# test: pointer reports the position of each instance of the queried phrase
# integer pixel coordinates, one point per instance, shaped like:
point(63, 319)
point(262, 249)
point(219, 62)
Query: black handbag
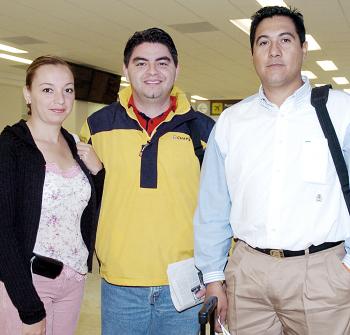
point(46, 266)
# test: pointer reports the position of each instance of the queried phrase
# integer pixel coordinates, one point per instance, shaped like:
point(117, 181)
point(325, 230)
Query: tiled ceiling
point(215, 60)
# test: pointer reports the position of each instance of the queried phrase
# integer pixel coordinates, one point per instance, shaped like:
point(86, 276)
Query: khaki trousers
point(303, 295)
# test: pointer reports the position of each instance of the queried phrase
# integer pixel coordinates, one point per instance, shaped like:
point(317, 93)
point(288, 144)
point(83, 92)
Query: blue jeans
point(144, 311)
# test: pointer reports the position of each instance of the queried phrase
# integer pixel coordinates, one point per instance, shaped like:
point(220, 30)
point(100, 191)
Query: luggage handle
point(206, 313)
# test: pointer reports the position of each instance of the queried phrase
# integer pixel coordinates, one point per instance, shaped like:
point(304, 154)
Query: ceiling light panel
point(341, 80)
point(327, 65)
point(308, 74)
point(243, 24)
point(16, 59)
point(7, 48)
point(197, 97)
point(264, 3)
point(311, 43)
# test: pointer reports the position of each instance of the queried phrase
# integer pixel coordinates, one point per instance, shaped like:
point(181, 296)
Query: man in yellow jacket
point(146, 143)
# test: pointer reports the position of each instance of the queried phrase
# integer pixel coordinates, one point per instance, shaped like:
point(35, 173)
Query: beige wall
point(81, 111)
point(12, 105)
point(76, 119)
point(13, 108)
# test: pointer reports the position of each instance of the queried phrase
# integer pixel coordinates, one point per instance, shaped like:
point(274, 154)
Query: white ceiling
point(214, 64)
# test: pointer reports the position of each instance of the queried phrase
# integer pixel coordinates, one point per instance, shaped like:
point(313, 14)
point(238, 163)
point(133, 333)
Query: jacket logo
point(182, 138)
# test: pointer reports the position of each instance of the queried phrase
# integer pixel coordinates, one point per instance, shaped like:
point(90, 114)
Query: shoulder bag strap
point(319, 97)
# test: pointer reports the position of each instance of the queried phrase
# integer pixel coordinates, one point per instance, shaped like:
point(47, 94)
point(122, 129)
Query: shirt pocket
point(314, 161)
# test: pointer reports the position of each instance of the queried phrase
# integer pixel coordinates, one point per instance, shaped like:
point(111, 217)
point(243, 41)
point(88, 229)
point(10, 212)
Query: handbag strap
point(319, 97)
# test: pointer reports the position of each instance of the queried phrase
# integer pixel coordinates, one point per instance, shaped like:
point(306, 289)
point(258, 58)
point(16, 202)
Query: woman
point(47, 208)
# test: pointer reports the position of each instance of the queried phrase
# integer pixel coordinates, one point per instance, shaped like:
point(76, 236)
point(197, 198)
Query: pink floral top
point(66, 193)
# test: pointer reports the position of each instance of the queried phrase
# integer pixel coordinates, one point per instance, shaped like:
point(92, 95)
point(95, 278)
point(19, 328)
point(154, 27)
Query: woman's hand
point(88, 155)
point(38, 328)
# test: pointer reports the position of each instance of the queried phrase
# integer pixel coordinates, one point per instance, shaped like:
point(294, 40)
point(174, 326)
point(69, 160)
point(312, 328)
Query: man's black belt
point(280, 253)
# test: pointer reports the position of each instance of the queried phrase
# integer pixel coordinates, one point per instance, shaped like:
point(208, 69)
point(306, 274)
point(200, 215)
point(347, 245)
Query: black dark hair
point(151, 35)
point(271, 11)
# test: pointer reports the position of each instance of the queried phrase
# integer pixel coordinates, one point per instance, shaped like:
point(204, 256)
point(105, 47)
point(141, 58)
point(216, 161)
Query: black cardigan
point(22, 175)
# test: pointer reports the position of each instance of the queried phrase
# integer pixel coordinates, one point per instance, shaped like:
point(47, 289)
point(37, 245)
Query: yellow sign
point(217, 108)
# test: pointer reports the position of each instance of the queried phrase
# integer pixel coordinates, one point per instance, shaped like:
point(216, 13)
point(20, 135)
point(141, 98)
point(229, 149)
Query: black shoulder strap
point(319, 97)
point(196, 140)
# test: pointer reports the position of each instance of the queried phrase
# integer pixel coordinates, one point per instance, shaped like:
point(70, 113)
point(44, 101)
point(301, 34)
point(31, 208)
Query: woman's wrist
point(96, 170)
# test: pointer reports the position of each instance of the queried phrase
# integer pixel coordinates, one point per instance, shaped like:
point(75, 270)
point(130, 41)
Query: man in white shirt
point(269, 182)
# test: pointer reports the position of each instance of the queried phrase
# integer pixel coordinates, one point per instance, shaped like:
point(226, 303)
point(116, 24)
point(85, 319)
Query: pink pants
point(62, 299)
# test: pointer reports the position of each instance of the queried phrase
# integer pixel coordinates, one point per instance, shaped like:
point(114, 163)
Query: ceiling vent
point(196, 27)
point(22, 40)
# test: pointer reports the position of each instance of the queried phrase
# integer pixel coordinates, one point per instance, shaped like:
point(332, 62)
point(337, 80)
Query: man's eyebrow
point(164, 58)
point(136, 59)
point(279, 35)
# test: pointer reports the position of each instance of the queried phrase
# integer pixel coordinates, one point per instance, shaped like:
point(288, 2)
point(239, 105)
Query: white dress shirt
point(268, 179)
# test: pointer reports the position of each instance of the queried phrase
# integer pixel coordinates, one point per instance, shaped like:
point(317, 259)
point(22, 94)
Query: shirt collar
point(172, 106)
point(298, 96)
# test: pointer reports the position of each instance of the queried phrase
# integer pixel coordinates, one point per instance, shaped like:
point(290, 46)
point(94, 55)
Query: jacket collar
point(182, 107)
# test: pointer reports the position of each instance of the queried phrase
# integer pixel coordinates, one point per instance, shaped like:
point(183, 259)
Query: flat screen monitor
point(104, 87)
point(82, 81)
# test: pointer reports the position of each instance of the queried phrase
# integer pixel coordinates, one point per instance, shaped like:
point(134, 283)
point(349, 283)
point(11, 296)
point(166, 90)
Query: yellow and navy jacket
point(150, 190)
